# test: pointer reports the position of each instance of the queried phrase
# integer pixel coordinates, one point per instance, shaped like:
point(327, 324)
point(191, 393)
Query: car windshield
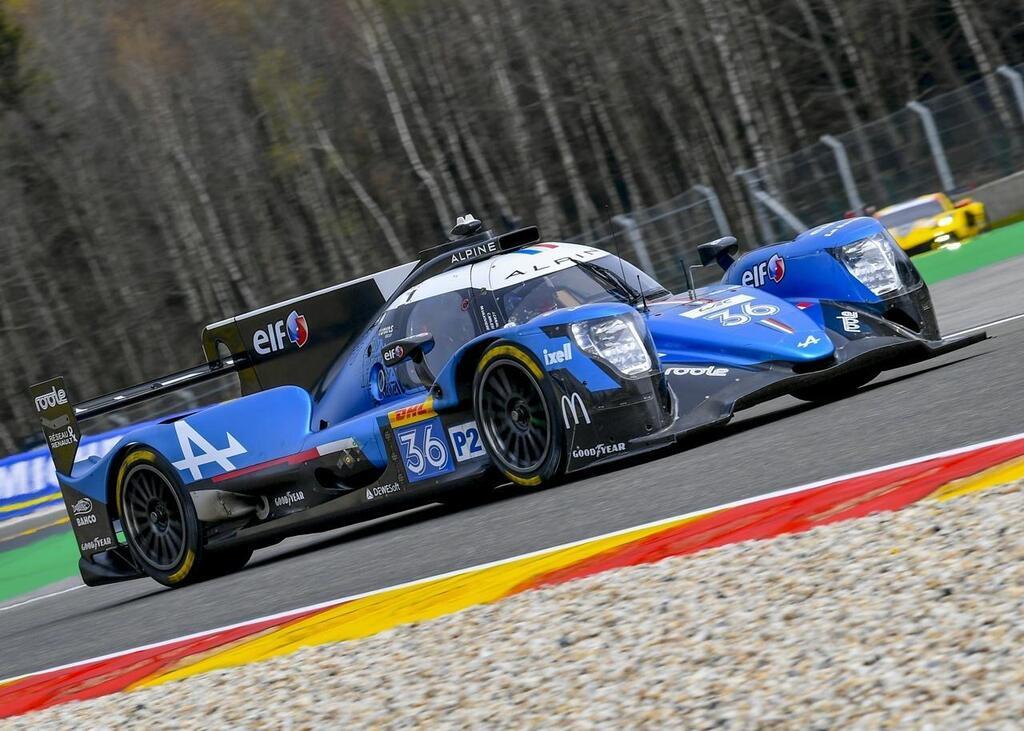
point(607, 279)
point(905, 216)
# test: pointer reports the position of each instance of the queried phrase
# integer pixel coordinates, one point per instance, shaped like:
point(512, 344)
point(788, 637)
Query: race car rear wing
point(288, 343)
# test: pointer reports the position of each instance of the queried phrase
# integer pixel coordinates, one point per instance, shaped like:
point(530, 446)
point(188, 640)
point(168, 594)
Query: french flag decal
point(776, 325)
point(538, 248)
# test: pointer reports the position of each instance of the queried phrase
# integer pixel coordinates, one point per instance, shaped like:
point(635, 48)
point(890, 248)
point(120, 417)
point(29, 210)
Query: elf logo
point(274, 336)
point(774, 269)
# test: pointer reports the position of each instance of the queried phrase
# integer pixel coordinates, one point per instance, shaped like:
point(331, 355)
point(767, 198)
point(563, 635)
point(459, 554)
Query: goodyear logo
point(412, 414)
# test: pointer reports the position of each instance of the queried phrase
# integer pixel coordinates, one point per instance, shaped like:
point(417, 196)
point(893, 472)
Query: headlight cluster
point(617, 341)
point(873, 262)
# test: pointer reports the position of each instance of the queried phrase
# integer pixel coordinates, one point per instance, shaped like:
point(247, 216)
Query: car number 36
point(728, 318)
point(425, 452)
point(433, 451)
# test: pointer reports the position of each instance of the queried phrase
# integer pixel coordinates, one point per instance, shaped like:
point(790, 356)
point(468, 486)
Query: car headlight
point(873, 262)
point(615, 340)
point(944, 221)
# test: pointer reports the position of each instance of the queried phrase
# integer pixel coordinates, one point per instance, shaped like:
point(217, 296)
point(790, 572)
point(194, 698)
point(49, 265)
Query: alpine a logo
point(294, 329)
point(50, 399)
point(573, 406)
point(808, 342)
point(774, 269)
point(598, 450)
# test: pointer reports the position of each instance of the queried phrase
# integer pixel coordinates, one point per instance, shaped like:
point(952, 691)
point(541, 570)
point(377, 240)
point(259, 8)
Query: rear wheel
point(838, 388)
point(512, 402)
point(159, 521)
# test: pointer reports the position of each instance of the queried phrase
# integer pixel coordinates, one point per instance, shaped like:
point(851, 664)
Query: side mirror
point(720, 250)
point(963, 202)
point(411, 348)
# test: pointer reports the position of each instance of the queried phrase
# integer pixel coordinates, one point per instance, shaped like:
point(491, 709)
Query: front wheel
point(838, 388)
point(159, 521)
point(512, 403)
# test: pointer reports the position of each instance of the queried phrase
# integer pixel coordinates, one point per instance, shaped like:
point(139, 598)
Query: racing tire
point(513, 403)
point(160, 525)
point(837, 389)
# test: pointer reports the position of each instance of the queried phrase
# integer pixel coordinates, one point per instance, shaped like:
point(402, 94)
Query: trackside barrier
point(28, 481)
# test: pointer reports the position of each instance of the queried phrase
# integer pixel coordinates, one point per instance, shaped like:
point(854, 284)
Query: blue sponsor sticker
point(425, 451)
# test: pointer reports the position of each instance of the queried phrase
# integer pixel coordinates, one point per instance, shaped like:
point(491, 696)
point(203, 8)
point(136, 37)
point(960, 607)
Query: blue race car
point(498, 358)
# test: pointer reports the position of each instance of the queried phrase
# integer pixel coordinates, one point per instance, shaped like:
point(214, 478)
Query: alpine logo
point(808, 341)
point(774, 270)
point(556, 357)
point(573, 405)
point(272, 338)
point(208, 454)
point(598, 450)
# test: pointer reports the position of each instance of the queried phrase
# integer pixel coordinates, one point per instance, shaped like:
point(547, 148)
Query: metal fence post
point(934, 143)
point(845, 172)
point(716, 208)
point(762, 220)
point(1017, 84)
point(632, 231)
point(781, 211)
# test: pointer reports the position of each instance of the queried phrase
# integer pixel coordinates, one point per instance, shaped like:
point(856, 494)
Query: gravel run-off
point(912, 619)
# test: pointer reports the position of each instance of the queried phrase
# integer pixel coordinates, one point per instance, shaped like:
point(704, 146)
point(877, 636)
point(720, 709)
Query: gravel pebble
point(902, 620)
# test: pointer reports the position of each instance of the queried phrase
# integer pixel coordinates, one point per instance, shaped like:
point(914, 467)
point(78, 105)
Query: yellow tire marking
point(137, 456)
point(1000, 474)
point(516, 354)
point(527, 481)
point(418, 602)
point(181, 573)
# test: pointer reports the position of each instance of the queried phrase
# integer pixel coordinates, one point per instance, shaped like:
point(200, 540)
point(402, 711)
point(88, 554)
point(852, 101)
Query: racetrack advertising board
point(28, 481)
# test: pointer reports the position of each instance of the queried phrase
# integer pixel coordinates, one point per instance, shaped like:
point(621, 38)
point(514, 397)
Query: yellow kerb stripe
point(1000, 474)
point(415, 603)
point(49, 497)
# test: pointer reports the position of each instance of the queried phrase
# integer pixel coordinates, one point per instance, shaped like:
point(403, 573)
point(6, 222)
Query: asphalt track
point(964, 397)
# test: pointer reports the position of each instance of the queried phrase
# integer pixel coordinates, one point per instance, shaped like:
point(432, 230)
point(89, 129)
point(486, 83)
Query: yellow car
point(932, 221)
